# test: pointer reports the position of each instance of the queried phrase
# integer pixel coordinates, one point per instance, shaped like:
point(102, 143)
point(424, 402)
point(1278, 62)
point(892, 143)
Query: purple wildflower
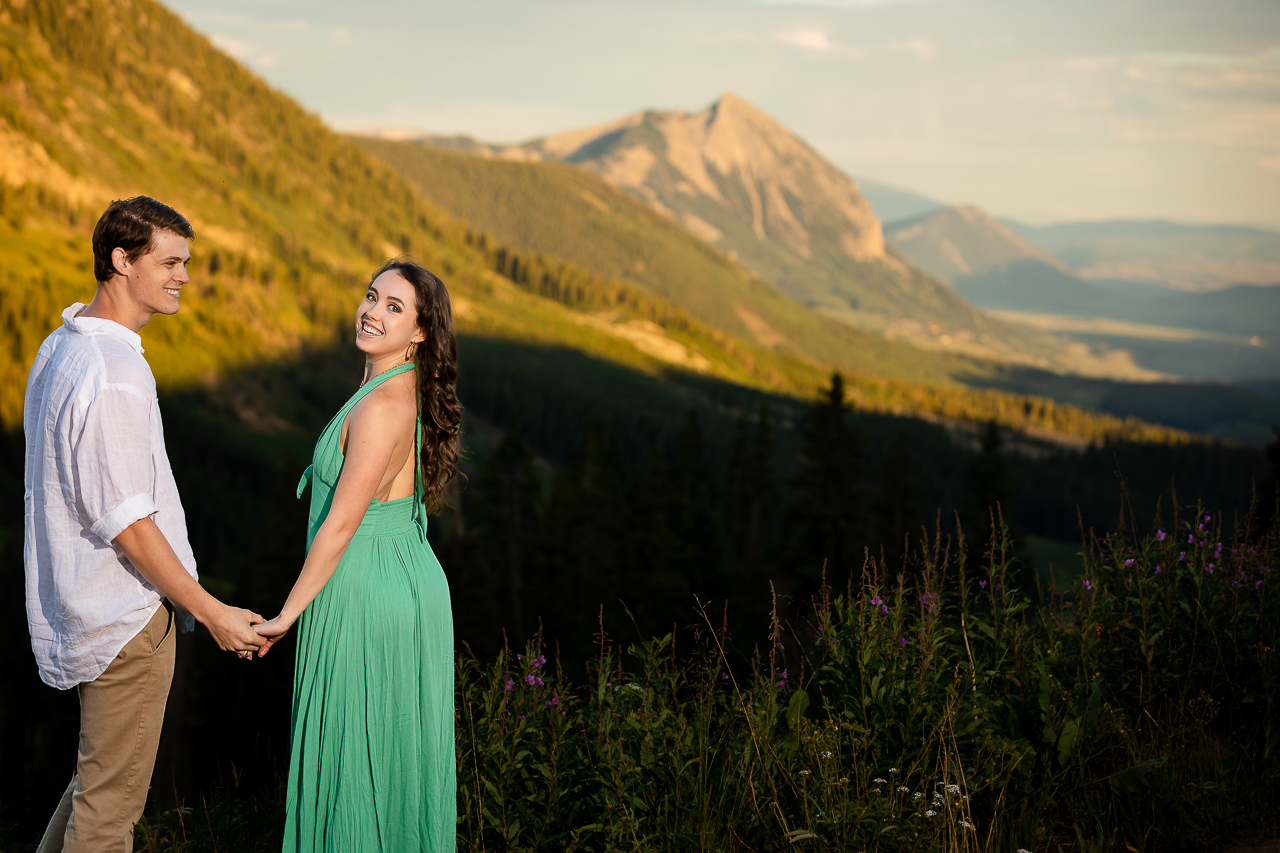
point(876, 600)
point(902, 641)
point(510, 684)
point(884, 608)
point(982, 584)
point(1088, 585)
point(1159, 570)
point(1159, 535)
point(1128, 564)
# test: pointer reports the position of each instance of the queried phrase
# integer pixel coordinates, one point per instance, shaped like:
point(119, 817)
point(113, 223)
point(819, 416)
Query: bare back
point(389, 412)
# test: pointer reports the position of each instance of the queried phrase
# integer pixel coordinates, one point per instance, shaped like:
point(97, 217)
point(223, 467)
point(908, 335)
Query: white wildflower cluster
point(826, 755)
point(893, 770)
point(878, 781)
point(917, 795)
point(930, 813)
point(902, 789)
point(1023, 850)
point(953, 789)
point(965, 824)
point(938, 799)
point(804, 772)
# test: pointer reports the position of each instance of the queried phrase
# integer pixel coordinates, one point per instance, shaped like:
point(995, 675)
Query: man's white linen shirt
point(95, 464)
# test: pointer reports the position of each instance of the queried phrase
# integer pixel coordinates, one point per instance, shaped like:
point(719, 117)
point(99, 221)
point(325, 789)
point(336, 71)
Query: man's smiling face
point(153, 281)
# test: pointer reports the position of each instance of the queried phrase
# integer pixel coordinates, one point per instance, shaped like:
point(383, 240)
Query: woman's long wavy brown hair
point(436, 361)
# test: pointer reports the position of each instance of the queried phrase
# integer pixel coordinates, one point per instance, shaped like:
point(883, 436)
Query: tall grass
point(932, 709)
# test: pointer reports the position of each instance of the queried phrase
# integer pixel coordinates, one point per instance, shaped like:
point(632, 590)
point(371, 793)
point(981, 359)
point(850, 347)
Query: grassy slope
point(567, 212)
point(290, 218)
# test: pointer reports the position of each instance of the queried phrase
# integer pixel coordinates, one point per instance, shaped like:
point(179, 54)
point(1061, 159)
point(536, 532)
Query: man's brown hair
point(131, 224)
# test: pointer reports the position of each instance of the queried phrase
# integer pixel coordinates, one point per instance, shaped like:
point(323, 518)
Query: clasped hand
point(272, 631)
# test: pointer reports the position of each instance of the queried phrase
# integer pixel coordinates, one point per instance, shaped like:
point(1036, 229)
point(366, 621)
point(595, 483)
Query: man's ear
point(120, 261)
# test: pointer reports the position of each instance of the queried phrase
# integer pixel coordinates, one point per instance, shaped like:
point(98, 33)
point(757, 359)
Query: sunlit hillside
point(290, 217)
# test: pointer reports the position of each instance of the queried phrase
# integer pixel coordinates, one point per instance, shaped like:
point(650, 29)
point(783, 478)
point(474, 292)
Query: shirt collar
point(98, 326)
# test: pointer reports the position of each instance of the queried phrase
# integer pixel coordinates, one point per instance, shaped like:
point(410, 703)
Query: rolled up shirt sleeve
point(113, 461)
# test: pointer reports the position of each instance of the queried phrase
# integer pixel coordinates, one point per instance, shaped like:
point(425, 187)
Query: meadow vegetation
point(928, 706)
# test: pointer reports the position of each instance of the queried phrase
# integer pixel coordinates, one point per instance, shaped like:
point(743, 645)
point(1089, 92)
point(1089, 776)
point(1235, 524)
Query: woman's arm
point(371, 447)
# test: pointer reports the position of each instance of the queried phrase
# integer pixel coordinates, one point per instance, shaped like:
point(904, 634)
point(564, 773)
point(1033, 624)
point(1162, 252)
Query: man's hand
point(232, 628)
point(151, 554)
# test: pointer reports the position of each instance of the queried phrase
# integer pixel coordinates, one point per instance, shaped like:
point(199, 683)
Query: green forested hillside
point(290, 217)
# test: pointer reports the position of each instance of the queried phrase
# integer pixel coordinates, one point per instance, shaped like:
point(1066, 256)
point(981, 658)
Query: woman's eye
point(394, 308)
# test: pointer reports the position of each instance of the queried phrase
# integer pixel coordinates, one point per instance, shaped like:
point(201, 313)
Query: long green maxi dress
point(372, 763)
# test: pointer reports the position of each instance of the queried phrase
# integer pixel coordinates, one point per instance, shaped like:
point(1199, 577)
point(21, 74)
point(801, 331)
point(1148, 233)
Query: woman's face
point(387, 319)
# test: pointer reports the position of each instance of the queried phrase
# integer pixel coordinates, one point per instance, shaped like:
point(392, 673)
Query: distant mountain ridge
point(737, 179)
point(953, 242)
point(1166, 254)
point(993, 266)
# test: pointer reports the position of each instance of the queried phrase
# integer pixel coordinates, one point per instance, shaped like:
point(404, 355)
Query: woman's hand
point(273, 630)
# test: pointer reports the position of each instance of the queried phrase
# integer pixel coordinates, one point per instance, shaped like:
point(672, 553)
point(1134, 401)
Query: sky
point(1042, 110)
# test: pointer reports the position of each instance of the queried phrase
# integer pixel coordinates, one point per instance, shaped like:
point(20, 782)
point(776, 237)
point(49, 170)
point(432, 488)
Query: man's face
point(153, 281)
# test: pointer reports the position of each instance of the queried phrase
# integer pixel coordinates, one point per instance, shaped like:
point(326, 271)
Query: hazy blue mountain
point(1184, 257)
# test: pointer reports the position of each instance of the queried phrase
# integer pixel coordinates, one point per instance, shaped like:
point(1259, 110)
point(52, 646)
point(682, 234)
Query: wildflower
point(1192, 539)
point(1206, 519)
point(804, 772)
point(876, 600)
point(982, 584)
point(877, 781)
point(510, 684)
point(844, 780)
point(1159, 538)
point(1022, 850)
point(826, 755)
point(902, 789)
point(893, 770)
point(902, 641)
point(1208, 567)
point(554, 702)
point(1128, 564)
point(1130, 579)
point(884, 608)
point(1182, 556)
point(1088, 585)
point(1159, 570)
point(930, 813)
point(1258, 585)
point(953, 789)
point(917, 795)
point(697, 695)
point(964, 823)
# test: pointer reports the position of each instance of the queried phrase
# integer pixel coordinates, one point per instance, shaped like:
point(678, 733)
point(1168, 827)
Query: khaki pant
point(121, 712)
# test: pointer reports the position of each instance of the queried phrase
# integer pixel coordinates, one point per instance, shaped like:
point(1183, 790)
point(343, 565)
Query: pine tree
point(751, 495)
point(826, 523)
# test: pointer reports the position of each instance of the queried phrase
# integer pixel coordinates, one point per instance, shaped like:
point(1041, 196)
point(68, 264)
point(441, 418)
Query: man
point(106, 552)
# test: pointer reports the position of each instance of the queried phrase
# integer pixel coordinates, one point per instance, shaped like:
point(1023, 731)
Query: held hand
point(273, 630)
point(232, 629)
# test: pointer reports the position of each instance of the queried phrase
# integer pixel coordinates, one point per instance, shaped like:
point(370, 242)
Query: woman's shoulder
point(388, 406)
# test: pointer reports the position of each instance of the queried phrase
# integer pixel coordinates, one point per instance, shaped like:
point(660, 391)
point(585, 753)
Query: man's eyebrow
point(185, 260)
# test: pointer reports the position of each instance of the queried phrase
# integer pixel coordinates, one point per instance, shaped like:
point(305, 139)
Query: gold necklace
point(363, 382)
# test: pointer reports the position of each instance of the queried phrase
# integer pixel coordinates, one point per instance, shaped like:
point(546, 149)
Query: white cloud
point(921, 47)
point(813, 40)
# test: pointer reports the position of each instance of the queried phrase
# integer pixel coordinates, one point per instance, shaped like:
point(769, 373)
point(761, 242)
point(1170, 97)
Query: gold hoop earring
point(411, 351)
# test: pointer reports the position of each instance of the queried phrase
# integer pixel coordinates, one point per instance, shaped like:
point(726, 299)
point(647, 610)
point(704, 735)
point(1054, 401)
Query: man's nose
point(182, 277)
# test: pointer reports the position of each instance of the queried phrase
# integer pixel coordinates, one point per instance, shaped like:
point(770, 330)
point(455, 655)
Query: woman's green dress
point(372, 763)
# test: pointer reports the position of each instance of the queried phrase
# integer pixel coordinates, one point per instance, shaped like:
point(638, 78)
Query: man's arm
point(153, 557)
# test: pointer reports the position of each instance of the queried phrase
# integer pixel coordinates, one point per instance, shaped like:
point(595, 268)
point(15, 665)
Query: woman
point(372, 763)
